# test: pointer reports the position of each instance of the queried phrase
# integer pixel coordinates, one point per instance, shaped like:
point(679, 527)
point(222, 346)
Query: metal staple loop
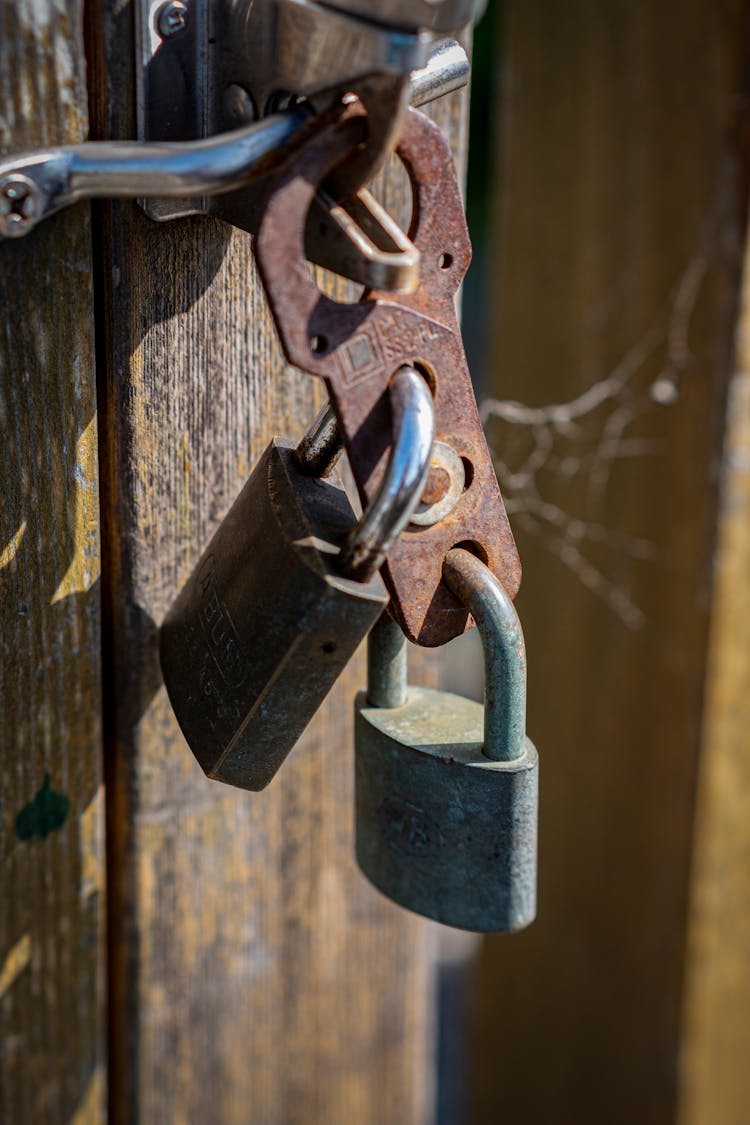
point(356, 347)
point(403, 480)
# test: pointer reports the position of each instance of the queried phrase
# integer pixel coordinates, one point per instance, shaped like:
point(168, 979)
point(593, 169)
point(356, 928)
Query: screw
point(172, 18)
point(20, 205)
point(437, 485)
point(238, 105)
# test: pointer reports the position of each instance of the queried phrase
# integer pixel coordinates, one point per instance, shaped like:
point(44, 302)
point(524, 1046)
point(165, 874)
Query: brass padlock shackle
point(404, 478)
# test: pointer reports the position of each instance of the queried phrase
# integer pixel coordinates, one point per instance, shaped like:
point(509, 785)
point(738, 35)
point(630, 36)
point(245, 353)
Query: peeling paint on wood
point(46, 812)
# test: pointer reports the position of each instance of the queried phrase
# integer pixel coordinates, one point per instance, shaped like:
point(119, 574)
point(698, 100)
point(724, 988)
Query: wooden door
point(246, 971)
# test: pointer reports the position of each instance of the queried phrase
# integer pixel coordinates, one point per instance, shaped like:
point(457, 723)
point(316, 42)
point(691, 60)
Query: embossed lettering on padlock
point(446, 791)
point(284, 594)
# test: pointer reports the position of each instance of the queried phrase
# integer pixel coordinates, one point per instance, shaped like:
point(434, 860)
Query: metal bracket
point(209, 66)
point(226, 89)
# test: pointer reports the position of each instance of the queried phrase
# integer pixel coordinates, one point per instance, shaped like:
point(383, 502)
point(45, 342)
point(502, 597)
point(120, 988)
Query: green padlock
point(447, 791)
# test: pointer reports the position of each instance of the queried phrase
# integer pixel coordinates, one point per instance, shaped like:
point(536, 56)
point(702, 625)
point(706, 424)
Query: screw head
point(437, 485)
point(444, 487)
point(20, 205)
point(172, 18)
point(238, 105)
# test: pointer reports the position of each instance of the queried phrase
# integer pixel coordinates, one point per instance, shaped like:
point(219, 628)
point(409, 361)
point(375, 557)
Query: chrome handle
point(34, 185)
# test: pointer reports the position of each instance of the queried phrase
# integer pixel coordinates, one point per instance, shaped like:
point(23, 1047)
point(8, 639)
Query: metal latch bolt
point(357, 239)
point(225, 93)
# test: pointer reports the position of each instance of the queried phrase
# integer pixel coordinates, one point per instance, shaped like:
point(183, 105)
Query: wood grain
point(256, 977)
point(52, 1060)
point(716, 1033)
point(620, 247)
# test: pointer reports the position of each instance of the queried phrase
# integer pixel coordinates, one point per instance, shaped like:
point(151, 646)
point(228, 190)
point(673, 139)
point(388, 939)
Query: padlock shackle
point(403, 481)
point(477, 588)
point(404, 478)
point(321, 446)
point(386, 664)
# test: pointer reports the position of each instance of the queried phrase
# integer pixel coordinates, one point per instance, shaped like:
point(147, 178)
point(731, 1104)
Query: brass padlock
point(285, 592)
point(447, 791)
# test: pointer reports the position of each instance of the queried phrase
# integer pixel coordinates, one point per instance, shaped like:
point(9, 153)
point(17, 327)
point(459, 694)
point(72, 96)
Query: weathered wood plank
point(52, 1062)
point(622, 201)
point(256, 975)
point(716, 1036)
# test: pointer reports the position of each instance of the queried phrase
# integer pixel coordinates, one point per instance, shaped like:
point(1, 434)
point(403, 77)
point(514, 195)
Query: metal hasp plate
point(208, 66)
point(357, 348)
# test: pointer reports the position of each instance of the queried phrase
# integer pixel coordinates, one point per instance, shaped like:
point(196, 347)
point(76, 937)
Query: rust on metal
point(438, 483)
point(357, 348)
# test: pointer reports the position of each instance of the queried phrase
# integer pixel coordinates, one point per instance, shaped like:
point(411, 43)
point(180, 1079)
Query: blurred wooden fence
point(621, 425)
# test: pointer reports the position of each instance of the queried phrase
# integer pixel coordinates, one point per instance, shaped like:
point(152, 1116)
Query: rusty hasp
point(357, 348)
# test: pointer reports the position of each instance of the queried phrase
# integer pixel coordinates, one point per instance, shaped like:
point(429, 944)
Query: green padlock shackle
point(503, 645)
point(484, 596)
